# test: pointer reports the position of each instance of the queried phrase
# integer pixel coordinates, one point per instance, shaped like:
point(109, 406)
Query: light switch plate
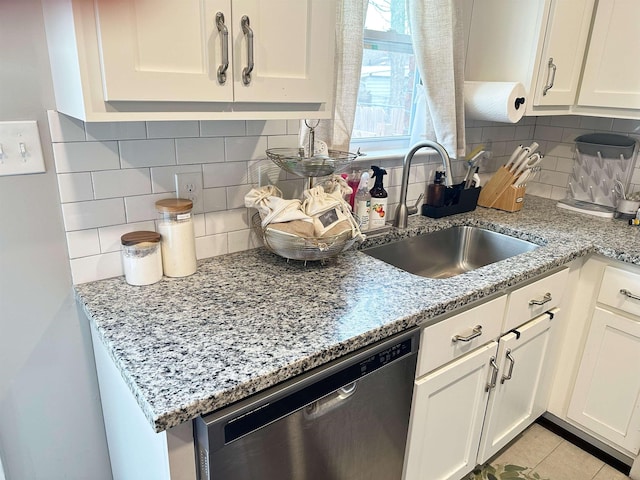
point(20, 148)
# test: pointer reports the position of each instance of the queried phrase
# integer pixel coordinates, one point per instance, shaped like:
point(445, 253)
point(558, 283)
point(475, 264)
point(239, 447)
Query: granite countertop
point(246, 321)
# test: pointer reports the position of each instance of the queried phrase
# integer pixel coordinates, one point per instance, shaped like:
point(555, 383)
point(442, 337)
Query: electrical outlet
point(189, 186)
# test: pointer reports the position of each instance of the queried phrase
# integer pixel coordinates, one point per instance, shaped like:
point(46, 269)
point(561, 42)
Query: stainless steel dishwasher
point(347, 420)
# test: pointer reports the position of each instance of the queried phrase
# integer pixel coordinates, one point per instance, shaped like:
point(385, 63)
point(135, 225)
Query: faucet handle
point(414, 209)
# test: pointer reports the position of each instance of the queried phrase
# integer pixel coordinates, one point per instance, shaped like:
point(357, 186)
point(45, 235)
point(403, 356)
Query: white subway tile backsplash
point(211, 246)
point(596, 123)
point(235, 195)
point(293, 126)
point(226, 221)
point(85, 156)
point(121, 183)
point(552, 134)
point(116, 130)
point(147, 153)
point(96, 267)
point(245, 148)
point(267, 127)
point(243, 240)
point(223, 128)
point(215, 199)
point(199, 150)
point(163, 179)
point(110, 240)
point(83, 243)
point(224, 174)
point(199, 228)
point(75, 187)
point(282, 141)
point(173, 129)
point(143, 207)
point(626, 126)
point(109, 187)
point(91, 214)
point(499, 133)
point(65, 129)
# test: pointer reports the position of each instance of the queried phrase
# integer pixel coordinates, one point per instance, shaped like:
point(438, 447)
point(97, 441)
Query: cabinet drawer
point(618, 289)
point(534, 299)
point(440, 345)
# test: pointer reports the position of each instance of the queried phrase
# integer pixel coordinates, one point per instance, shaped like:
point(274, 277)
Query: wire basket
point(293, 161)
point(300, 248)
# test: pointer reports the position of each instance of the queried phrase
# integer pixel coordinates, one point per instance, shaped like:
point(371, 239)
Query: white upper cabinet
point(563, 52)
point(612, 69)
point(191, 59)
point(571, 56)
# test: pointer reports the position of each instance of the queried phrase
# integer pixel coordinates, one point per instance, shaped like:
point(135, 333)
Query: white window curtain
point(438, 42)
point(348, 63)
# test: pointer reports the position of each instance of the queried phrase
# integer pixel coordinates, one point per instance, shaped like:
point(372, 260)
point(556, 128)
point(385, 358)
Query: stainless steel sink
point(450, 252)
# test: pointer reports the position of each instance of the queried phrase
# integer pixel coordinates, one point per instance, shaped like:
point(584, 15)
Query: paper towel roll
point(494, 101)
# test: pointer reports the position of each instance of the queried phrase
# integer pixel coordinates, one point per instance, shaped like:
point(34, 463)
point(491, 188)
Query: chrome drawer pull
point(494, 375)
point(248, 32)
point(224, 38)
point(513, 362)
point(477, 331)
point(545, 299)
point(627, 293)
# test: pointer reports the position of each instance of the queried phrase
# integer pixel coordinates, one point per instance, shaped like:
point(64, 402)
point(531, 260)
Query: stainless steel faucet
point(402, 211)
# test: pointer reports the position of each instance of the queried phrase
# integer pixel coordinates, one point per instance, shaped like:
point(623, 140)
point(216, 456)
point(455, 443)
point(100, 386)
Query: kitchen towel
point(494, 101)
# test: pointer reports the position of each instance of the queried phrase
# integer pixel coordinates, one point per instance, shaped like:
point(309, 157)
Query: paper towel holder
point(519, 101)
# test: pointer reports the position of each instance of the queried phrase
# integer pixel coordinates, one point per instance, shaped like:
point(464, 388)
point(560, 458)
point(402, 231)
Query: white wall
point(50, 418)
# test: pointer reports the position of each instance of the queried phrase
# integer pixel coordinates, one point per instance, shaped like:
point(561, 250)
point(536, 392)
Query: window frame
point(394, 42)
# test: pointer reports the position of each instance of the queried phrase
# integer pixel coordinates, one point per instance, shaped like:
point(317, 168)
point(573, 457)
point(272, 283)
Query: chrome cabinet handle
point(477, 331)
point(224, 38)
point(248, 32)
point(513, 362)
point(494, 374)
point(628, 294)
point(545, 299)
point(552, 73)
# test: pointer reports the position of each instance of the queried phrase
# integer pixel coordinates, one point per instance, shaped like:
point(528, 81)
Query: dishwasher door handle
point(329, 402)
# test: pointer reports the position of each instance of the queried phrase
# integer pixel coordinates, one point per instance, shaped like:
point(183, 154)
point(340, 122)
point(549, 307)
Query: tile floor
point(554, 458)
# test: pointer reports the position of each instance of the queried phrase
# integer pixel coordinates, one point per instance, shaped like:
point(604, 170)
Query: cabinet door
point(293, 44)
point(162, 50)
point(446, 418)
point(606, 396)
point(521, 390)
point(612, 70)
point(563, 52)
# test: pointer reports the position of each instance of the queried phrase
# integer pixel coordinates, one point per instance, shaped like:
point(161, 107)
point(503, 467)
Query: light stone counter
point(247, 321)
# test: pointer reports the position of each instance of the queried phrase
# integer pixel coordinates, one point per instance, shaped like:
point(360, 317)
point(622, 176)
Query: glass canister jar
point(175, 224)
point(141, 257)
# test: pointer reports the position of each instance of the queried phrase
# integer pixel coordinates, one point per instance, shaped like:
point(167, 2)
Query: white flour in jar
point(142, 263)
point(178, 246)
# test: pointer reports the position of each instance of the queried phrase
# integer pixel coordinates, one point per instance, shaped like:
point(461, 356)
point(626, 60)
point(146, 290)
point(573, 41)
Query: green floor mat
point(505, 472)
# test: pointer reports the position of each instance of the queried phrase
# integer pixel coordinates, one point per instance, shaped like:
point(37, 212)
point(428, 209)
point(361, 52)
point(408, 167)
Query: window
point(388, 80)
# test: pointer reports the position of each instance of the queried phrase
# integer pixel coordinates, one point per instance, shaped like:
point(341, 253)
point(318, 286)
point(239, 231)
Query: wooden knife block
point(500, 193)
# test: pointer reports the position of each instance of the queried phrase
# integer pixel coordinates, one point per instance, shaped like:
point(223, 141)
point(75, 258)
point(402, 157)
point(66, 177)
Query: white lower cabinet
point(606, 395)
point(521, 387)
point(448, 411)
point(482, 379)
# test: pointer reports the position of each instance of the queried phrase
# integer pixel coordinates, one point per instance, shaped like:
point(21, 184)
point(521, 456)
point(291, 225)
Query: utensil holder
point(457, 200)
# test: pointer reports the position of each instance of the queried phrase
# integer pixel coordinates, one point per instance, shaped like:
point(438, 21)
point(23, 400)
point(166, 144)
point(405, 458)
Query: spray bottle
point(362, 204)
point(378, 213)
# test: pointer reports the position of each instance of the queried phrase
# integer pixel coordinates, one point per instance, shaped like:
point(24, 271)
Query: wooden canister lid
point(174, 205)
point(134, 238)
